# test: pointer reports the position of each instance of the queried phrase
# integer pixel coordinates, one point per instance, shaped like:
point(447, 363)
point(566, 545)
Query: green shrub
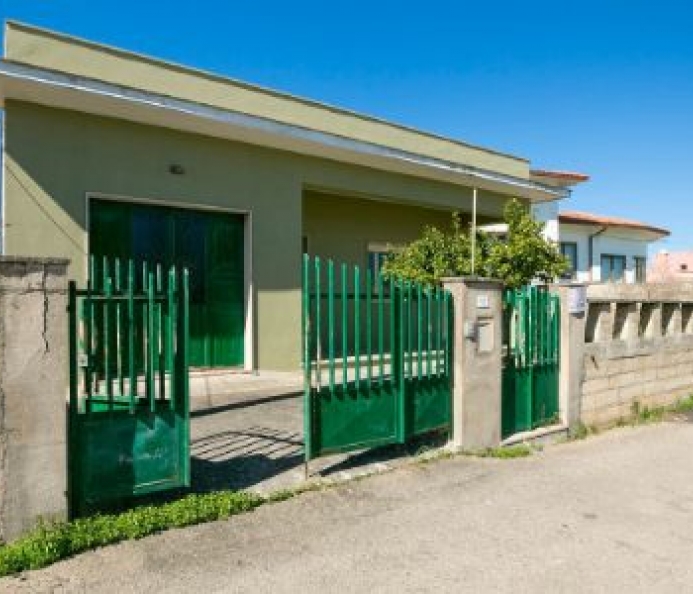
point(525, 255)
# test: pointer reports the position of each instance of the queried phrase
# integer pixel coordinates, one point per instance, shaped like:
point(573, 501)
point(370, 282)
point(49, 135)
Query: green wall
point(341, 227)
point(55, 157)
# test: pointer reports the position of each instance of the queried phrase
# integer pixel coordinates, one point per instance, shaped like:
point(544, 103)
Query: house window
point(376, 259)
point(377, 254)
point(640, 270)
point(613, 268)
point(570, 250)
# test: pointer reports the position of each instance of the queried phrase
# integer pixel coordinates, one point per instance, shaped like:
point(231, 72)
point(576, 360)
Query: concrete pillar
point(33, 390)
point(477, 371)
point(672, 324)
point(573, 321)
point(652, 314)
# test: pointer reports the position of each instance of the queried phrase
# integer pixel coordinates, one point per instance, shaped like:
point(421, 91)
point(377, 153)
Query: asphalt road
point(613, 513)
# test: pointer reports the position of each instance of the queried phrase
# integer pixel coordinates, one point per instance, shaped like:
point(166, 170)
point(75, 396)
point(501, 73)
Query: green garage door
point(209, 244)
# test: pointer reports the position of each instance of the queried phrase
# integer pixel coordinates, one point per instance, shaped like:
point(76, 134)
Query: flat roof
point(19, 36)
point(58, 70)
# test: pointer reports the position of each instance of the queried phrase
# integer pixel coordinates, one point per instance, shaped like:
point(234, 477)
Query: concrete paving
point(248, 444)
point(256, 443)
point(611, 513)
point(217, 388)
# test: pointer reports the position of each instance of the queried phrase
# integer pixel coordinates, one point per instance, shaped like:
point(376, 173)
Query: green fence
point(531, 329)
point(377, 359)
point(128, 408)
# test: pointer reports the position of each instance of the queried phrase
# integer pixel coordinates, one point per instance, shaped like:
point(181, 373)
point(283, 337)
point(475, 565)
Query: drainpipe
point(590, 247)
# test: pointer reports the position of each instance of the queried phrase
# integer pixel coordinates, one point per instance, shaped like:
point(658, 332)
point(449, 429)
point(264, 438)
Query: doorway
point(209, 244)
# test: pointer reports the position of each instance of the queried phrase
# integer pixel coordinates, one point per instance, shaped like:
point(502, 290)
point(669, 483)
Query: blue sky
point(601, 87)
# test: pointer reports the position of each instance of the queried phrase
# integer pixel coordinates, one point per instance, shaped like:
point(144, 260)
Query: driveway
point(613, 513)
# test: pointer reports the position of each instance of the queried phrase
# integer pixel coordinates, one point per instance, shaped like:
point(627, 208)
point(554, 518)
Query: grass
point(640, 415)
point(507, 453)
point(582, 431)
point(683, 406)
point(51, 542)
point(522, 450)
point(644, 414)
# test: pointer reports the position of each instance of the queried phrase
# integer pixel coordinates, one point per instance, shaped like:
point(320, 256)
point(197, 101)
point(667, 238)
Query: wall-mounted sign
point(577, 300)
point(483, 302)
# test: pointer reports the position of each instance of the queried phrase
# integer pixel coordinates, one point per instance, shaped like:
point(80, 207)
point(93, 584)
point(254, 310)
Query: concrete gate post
point(573, 321)
point(477, 362)
point(33, 390)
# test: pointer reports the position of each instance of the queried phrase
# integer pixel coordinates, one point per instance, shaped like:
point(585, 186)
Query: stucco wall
point(33, 392)
point(53, 158)
point(341, 228)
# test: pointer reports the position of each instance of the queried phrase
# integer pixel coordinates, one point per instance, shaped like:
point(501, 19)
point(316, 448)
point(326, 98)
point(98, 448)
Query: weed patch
point(582, 431)
point(51, 542)
point(644, 414)
point(683, 406)
point(517, 451)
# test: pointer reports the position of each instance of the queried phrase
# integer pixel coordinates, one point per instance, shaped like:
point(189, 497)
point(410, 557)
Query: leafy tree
point(523, 256)
point(526, 254)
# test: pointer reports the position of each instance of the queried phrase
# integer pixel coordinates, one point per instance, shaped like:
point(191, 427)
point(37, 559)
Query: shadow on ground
point(257, 445)
point(239, 459)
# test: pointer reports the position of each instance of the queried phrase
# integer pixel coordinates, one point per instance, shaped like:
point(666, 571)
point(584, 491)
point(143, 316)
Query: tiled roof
point(564, 175)
point(574, 217)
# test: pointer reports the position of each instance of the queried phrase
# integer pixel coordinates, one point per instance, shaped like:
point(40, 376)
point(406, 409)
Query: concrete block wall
point(33, 392)
point(638, 350)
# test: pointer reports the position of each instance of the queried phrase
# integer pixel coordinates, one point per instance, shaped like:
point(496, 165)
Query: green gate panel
point(429, 405)
point(210, 245)
point(119, 455)
point(377, 359)
point(129, 421)
point(516, 405)
point(531, 341)
point(545, 401)
point(353, 419)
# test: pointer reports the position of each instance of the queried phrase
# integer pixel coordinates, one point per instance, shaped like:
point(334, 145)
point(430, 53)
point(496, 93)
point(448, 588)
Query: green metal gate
point(377, 359)
point(531, 335)
point(128, 409)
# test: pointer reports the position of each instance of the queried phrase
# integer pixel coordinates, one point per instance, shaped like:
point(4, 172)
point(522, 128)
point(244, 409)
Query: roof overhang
point(64, 91)
point(641, 233)
point(562, 179)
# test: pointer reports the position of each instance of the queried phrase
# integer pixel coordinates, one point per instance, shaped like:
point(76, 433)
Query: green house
point(111, 153)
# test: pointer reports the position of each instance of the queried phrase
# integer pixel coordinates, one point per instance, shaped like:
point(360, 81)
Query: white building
point(600, 248)
point(606, 249)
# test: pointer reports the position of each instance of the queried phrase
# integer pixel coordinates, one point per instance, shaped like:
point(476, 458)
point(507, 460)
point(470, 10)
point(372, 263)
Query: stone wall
point(33, 391)
point(638, 350)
